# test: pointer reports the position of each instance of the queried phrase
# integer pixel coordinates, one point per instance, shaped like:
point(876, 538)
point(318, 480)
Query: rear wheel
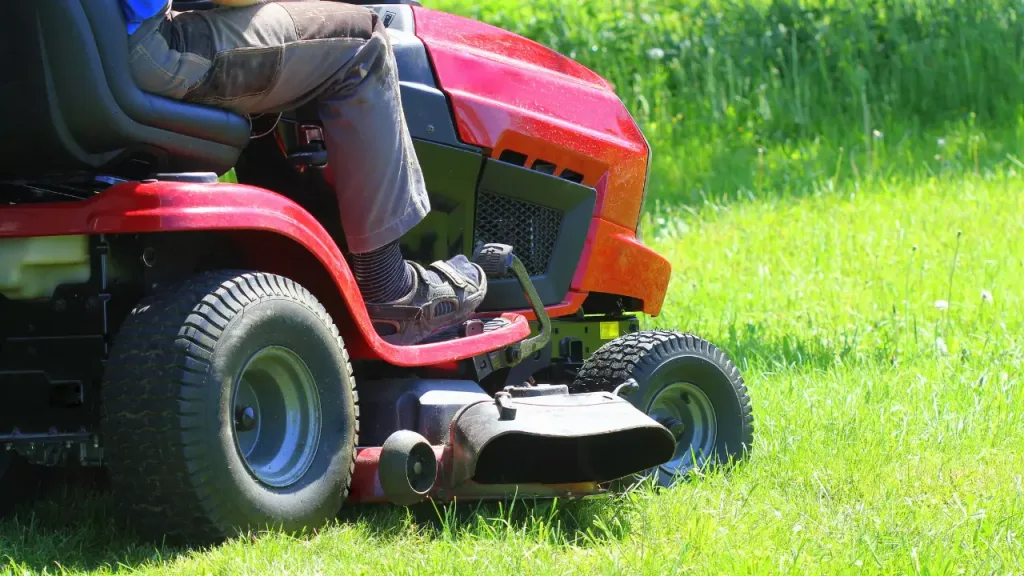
point(230, 406)
point(686, 384)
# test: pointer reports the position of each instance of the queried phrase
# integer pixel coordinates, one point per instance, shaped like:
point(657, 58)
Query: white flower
point(942, 305)
point(941, 142)
point(986, 296)
point(655, 53)
point(940, 345)
point(877, 134)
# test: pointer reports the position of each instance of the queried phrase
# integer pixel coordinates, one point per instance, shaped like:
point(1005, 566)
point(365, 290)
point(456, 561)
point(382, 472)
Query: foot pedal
point(495, 259)
point(498, 260)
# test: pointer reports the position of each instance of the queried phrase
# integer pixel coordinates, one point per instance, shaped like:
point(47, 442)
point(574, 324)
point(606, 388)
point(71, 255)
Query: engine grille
point(530, 229)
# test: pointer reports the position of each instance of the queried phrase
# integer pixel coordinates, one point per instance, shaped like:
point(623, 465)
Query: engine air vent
point(544, 166)
point(513, 157)
point(571, 176)
point(529, 228)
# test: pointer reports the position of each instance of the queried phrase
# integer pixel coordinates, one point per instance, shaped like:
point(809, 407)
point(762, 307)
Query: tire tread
point(619, 360)
point(151, 392)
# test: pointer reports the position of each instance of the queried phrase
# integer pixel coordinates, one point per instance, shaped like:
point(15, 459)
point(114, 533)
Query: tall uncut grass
point(753, 98)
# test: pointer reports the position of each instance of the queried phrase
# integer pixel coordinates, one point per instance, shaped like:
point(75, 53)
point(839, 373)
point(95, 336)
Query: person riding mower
point(214, 239)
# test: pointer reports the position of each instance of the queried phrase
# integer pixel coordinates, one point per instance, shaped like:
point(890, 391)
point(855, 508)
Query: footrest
point(468, 329)
point(448, 346)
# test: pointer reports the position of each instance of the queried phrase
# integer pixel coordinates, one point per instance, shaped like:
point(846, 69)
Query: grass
point(770, 98)
point(837, 186)
point(879, 448)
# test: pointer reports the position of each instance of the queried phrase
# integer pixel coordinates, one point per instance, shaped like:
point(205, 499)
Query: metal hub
point(277, 416)
point(688, 414)
point(245, 418)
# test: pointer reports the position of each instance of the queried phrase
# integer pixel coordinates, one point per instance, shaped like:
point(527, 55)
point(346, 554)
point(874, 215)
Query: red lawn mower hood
point(509, 93)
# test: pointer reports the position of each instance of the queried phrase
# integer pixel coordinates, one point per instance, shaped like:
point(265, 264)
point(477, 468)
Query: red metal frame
point(133, 208)
point(511, 93)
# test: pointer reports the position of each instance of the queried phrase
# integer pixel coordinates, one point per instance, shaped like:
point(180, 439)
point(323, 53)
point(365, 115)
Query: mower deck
point(453, 439)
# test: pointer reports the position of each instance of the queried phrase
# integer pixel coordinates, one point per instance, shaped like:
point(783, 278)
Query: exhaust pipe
point(543, 435)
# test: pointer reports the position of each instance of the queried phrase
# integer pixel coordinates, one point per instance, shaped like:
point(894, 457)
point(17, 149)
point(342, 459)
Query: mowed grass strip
point(888, 399)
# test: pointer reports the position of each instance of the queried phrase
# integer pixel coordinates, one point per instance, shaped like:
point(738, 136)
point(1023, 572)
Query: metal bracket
point(626, 388)
point(102, 248)
point(46, 449)
point(506, 410)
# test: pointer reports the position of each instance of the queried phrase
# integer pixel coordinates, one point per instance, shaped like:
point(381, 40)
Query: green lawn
point(890, 428)
point(839, 192)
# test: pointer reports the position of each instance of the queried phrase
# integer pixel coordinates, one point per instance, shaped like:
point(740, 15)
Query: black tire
point(17, 480)
point(170, 421)
point(658, 361)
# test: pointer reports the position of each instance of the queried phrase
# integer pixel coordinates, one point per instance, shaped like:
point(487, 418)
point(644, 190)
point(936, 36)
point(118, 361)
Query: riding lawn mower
point(177, 310)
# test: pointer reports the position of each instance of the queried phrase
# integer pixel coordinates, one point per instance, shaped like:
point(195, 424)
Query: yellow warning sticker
point(609, 330)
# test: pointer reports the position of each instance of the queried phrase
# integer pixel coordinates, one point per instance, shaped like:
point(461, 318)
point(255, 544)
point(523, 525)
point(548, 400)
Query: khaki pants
point(275, 57)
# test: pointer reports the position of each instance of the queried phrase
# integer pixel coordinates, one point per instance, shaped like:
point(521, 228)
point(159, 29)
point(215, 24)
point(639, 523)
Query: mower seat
point(70, 103)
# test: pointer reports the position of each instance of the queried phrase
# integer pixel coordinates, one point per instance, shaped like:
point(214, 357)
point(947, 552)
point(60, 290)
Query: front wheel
point(686, 384)
point(230, 406)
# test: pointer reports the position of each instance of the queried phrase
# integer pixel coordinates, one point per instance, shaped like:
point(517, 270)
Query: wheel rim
point(688, 413)
point(277, 417)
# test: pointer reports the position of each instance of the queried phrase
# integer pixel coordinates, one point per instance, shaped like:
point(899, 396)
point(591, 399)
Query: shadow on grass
point(730, 168)
point(752, 346)
point(69, 524)
point(748, 347)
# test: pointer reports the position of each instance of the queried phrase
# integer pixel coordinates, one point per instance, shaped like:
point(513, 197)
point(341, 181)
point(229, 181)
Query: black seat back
point(68, 101)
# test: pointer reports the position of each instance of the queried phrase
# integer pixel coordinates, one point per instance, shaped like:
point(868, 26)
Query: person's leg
point(275, 57)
